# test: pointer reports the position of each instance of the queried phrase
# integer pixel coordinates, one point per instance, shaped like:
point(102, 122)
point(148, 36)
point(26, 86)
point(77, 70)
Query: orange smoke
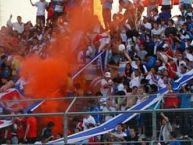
point(45, 76)
point(49, 77)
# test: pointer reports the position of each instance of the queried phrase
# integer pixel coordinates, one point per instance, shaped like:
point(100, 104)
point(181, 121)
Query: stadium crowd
point(142, 55)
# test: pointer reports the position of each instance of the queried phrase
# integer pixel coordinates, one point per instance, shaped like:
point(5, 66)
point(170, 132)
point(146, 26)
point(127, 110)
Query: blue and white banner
point(182, 80)
point(122, 118)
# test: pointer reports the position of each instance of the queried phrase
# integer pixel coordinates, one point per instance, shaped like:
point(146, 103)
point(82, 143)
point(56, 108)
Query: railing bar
point(93, 113)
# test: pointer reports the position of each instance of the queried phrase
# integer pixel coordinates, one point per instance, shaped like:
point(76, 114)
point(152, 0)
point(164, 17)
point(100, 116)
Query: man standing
point(17, 26)
point(58, 8)
point(165, 130)
point(106, 86)
point(31, 130)
point(41, 8)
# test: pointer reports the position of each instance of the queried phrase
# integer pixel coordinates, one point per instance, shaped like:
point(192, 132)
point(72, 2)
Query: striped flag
point(13, 101)
point(124, 117)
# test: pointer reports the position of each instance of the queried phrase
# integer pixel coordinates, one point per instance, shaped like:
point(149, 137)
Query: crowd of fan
point(140, 58)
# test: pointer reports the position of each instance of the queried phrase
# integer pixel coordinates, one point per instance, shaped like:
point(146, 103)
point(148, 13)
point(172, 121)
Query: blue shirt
point(175, 142)
point(185, 101)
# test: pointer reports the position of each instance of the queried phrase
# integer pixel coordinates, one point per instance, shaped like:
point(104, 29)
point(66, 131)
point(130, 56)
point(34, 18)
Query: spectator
point(46, 134)
point(118, 135)
point(17, 26)
point(41, 8)
point(31, 130)
point(132, 137)
point(107, 7)
point(106, 86)
point(88, 122)
point(108, 107)
point(165, 130)
point(19, 122)
point(167, 6)
point(173, 138)
point(58, 8)
point(170, 30)
point(50, 10)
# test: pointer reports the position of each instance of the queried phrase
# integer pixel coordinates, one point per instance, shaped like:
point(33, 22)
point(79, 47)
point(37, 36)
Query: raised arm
point(9, 23)
point(31, 3)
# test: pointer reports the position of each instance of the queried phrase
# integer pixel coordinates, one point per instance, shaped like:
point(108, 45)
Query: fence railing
point(67, 114)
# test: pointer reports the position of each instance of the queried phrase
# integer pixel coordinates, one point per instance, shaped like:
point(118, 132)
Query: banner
point(122, 118)
point(13, 101)
point(5, 123)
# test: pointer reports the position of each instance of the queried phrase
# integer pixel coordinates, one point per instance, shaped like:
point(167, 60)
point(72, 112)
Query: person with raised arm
point(16, 26)
point(41, 8)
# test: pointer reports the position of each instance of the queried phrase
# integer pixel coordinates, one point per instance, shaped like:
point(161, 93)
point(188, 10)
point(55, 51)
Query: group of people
point(141, 55)
point(24, 130)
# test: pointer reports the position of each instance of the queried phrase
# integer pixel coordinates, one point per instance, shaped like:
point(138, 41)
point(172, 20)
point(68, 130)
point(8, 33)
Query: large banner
point(122, 118)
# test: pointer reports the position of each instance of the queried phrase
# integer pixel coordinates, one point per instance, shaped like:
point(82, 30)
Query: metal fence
point(177, 116)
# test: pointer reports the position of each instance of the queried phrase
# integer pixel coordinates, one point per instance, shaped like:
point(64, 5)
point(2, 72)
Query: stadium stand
point(131, 56)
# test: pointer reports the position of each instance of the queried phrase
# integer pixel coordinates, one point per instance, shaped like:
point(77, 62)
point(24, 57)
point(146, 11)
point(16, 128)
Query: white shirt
point(41, 8)
point(147, 25)
point(152, 79)
point(135, 82)
point(161, 83)
point(104, 91)
point(16, 26)
point(189, 56)
point(165, 131)
point(156, 31)
point(59, 7)
point(88, 120)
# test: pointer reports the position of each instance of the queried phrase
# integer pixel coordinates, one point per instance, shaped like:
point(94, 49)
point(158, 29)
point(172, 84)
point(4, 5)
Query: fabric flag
point(13, 101)
point(121, 118)
point(5, 123)
point(182, 80)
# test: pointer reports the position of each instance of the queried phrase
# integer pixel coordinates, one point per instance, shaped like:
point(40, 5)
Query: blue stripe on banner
point(182, 80)
point(110, 124)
